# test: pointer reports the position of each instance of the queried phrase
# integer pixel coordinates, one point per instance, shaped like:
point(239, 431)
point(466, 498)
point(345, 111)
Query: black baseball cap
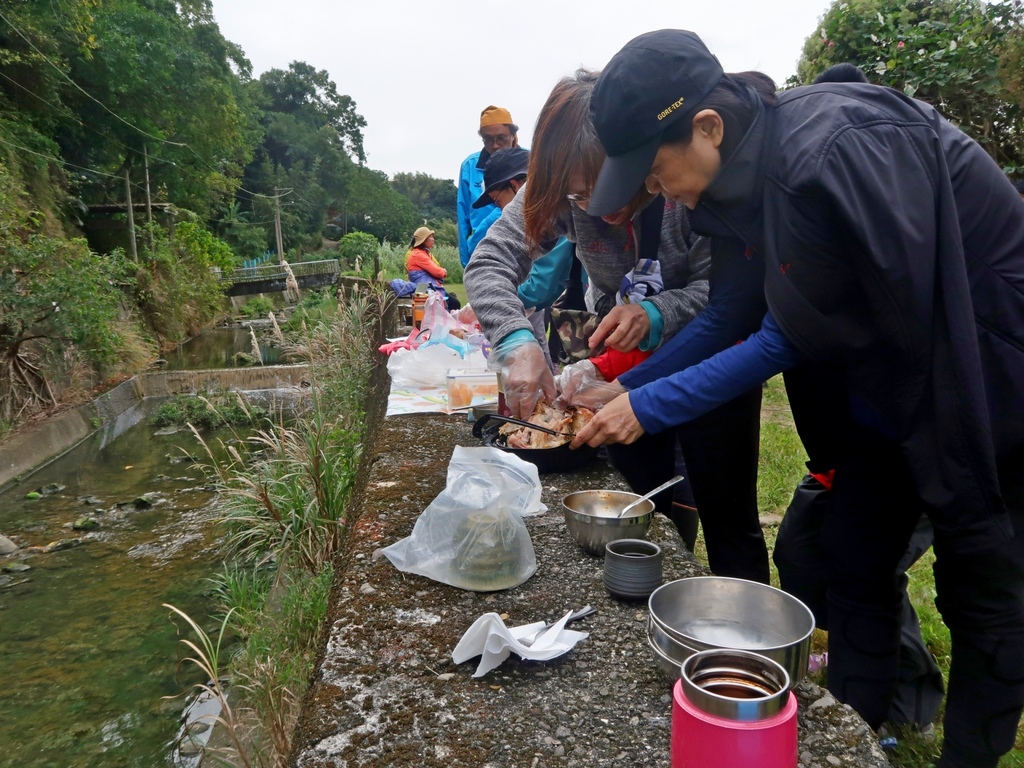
point(656, 79)
point(503, 166)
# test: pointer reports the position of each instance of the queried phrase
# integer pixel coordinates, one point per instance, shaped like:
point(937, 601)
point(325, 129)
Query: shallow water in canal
point(216, 348)
point(86, 649)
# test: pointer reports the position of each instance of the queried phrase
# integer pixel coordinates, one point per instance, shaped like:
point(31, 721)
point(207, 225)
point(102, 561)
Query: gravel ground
point(386, 692)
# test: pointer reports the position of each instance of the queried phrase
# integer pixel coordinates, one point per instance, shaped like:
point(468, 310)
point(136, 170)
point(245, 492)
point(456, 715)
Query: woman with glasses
point(893, 248)
point(497, 131)
point(647, 280)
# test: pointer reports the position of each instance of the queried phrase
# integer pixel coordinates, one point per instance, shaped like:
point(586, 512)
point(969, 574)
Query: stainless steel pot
point(714, 612)
point(561, 458)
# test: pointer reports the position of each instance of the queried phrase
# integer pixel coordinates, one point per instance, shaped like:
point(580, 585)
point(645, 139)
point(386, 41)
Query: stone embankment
point(387, 694)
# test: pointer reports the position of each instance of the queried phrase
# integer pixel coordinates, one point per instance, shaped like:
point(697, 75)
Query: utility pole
point(149, 202)
point(277, 222)
point(131, 216)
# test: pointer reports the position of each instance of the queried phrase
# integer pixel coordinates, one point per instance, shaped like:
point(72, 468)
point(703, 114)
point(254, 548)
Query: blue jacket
point(481, 230)
point(470, 219)
point(546, 281)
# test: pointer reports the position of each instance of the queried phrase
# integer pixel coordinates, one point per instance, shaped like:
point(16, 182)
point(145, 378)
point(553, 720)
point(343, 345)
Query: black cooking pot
point(561, 458)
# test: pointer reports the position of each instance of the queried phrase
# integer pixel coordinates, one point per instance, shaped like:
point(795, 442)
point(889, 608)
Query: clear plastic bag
point(472, 535)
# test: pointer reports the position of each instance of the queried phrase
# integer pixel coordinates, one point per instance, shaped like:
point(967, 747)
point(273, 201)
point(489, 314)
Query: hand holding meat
point(623, 328)
point(581, 385)
point(615, 423)
point(525, 378)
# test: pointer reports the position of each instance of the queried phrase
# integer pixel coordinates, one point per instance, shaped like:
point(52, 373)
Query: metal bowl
point(669, 653)
point(709, 612)
point(592, 518)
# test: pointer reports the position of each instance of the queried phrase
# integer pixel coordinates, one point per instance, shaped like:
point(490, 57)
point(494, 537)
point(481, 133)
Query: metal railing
point(276, 272)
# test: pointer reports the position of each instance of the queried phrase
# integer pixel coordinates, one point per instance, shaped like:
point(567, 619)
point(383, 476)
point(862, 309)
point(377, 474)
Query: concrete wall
point(123, 407)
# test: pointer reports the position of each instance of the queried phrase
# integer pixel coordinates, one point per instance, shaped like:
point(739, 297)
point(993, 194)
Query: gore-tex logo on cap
point(671, 108)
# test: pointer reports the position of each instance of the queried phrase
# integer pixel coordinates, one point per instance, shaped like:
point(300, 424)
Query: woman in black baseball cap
point(893, 248)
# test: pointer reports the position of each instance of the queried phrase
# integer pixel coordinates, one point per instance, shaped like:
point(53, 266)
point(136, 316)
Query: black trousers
point(874, 510)
point(803, 573)
point(720, 450)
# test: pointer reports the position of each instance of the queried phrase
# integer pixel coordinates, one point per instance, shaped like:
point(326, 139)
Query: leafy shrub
point(209, 411)
point(257, 306)
point(174, 285)
point(53, 293)
point(357, 246)
point(315, 307)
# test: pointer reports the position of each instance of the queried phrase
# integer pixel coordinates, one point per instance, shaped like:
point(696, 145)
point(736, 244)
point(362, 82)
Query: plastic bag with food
point(472, 535)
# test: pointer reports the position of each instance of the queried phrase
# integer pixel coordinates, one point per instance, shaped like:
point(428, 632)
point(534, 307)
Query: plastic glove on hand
point(582, 389)
point(615, 423)
point(574, 378)
point(466, 315)
point(526, 379)
point(623, 328)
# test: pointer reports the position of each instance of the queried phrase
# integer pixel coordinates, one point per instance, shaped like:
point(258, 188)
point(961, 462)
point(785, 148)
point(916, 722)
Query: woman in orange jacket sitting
point(424, 268)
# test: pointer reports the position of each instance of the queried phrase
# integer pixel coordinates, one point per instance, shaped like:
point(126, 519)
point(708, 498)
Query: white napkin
point(490, 639)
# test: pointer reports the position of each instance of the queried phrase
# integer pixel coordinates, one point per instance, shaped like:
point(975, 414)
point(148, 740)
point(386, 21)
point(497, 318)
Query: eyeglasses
point(500, 140)
point(496, 194)
point(574, 197)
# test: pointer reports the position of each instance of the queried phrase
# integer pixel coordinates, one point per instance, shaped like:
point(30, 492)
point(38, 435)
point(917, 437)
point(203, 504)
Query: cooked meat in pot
point(546, 415)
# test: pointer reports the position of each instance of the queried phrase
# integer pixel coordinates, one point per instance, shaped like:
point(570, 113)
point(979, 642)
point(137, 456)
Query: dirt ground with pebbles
point(386, 692)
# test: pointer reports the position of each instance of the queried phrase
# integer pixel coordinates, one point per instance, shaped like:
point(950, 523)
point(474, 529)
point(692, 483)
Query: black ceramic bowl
point(558, 459)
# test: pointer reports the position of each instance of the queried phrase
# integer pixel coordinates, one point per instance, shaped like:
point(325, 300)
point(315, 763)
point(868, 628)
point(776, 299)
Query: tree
point(373, 206)
point(156, 79)
point(53, 291)
point(435, 199)
point(312, 98)
point(949, 53)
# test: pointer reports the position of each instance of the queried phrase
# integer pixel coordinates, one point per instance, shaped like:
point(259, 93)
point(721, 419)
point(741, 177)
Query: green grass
point(780, 468)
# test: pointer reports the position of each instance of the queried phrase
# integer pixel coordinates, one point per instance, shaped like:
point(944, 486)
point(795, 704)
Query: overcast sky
point(420, 71)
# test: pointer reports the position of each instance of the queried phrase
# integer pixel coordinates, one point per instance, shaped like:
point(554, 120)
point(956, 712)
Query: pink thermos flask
point(733, 709)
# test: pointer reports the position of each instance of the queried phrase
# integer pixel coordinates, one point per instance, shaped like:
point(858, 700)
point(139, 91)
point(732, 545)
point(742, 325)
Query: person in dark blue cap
point(894, 258)
point(504, 174)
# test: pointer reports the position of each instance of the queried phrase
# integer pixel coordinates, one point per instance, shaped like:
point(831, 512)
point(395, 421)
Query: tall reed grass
point(284, 493)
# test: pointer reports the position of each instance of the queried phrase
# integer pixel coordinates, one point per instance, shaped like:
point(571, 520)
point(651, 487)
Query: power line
point(64, 75)
point(67, 114)
point(64, 163)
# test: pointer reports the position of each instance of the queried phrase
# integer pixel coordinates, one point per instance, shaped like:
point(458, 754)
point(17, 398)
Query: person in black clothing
point(893, 248)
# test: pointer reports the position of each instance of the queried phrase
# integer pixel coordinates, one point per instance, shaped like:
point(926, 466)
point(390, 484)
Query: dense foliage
point(435, 199)
point(102, 101)
point(53, 292)
point(964, 57)
point(78, 114)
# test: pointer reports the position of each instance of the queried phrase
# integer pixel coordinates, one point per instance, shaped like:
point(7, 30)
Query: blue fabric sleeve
point(735, 307)
point(480, 231)
point(547, 277)
point(463, 206)
point(514, 340)
point(692, 392)
point(657, 326)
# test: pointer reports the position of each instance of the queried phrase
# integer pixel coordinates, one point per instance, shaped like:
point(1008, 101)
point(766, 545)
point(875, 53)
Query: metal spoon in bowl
point(648, 495)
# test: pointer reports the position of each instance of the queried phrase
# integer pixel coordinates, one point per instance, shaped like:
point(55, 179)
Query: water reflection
point(216, 348)
point(86, 650)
